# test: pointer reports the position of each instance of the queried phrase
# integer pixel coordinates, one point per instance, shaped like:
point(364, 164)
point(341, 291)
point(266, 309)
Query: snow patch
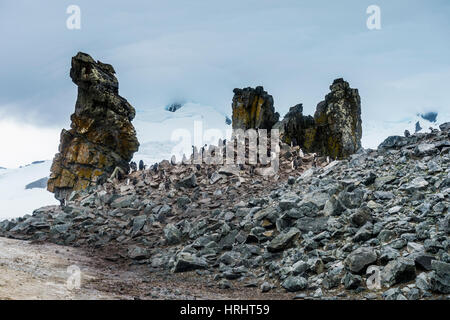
point(17, 201)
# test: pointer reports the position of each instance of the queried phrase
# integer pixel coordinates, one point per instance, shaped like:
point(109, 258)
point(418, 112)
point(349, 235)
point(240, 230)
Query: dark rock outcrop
point(174, 106)
point(445, 126)
point(101, 137)
point(296, 128)
point(418, 127)
point(334, 131)
point(338, 122)
point(253, 109)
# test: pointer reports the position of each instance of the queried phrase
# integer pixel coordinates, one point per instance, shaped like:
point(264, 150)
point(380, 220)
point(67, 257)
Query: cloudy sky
point(199, 50)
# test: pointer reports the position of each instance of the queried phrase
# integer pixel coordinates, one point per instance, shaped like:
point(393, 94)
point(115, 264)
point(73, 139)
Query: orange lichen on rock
point(334, 131)
point(101, 137)
point(253, 109)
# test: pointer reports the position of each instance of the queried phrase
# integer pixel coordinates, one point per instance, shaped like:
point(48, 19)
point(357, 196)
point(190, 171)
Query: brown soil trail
point(39, 271)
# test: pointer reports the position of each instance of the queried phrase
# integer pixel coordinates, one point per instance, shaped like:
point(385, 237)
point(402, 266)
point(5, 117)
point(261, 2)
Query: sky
point(200, 50)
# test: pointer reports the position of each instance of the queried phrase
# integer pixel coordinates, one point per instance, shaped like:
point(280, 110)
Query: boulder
point(425, 149)
point(188, 182)
point(440, 277)
point(187, 262)
point(351, 281)
point(359, 259)
point(398, 271)
point(137, 253)
point(172, 234)
point(283, 240)
point(294, 283)
point(393, 142)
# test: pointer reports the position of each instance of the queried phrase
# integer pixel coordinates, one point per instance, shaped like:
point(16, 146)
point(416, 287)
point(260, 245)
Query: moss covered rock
point(101, 137)
point(253, 109)
point(338, 122)
point(334, 131)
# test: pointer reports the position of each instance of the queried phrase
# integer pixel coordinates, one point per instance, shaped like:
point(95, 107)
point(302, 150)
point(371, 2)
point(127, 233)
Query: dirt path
point(40, 271)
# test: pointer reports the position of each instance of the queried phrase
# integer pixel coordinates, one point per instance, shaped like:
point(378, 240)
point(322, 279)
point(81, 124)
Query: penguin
point(141, 165)
point(133, 166)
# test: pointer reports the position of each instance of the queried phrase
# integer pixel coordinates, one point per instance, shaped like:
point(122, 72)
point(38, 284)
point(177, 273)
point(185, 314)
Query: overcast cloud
point(200, 50)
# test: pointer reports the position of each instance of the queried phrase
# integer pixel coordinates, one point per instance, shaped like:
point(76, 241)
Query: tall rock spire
point(338, 121)
point(101, 137)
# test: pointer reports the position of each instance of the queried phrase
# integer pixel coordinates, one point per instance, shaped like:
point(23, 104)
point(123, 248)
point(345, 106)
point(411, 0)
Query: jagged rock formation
point(101, 137)
point(253, 109)
point(336, 128)
point(319, 230)
point(295, 128)
point(338, 122)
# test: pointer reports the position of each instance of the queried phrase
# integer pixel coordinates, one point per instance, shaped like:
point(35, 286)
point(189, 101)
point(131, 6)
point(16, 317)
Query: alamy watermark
point(73, 22)
point(374, 280)
point(74, 279)
point(374, 19)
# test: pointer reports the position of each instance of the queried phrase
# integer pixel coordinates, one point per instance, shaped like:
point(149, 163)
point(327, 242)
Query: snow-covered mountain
point(15, 199)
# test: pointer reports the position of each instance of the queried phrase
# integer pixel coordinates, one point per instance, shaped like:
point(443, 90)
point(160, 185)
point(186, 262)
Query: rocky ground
point(30, 270)
point(316, 230)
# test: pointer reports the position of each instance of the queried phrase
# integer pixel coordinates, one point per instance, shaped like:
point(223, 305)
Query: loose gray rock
point(393, 294)
point(398, 271)
point(172, 234)
point(186, 261)
point(359, 259)
point(351, 281)
point(283, 240)
point(440, 277)
point(188, 182)
point(266, 287)
point(137, 253)
point(295, 283)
